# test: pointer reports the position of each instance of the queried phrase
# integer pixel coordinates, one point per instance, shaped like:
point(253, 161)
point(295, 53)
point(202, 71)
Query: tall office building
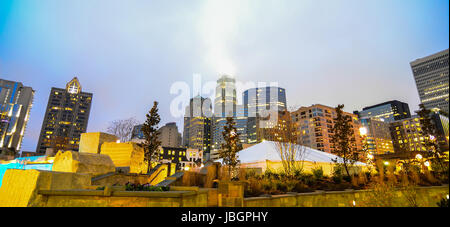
point(387, 111)
point(256, 102)
point(315, 123)
point(66, 118)
point(16, 101)
point(225, 99)
point(260, 99)
point(225, 105)
point(197, 125)
point(431, 76)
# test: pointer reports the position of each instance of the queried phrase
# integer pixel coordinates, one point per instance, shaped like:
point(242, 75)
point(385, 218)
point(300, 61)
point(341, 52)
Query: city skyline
point(367, 59)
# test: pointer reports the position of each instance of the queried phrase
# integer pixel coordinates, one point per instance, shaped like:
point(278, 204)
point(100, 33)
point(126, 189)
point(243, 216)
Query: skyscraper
point(66, 118)
point(224, 106)
point(197, 125)
point(258, 100)
point(16, 101)
point(431, 76)
point(387, 111)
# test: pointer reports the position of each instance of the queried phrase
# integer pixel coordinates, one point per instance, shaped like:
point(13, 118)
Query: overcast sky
point(128, 53)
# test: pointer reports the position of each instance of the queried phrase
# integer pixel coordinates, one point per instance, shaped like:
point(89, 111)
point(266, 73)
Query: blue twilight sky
point(129, 52)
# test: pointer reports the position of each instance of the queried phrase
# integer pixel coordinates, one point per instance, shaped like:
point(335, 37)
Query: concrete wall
point(426, 196)
point(38, 188)
point(98, 198)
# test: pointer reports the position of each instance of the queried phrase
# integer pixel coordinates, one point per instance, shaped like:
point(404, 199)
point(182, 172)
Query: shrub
point(298, 173)
point(281, 186)
point(347, 178)
point(144, 187)
point(266, 186)
point(443, 202)
point(318, 173)
point(337, 175)
point(253, 188)
point(308, 179)
point(301, 187)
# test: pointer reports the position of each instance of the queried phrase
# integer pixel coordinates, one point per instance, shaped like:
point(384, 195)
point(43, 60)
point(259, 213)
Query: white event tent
point(265, 155)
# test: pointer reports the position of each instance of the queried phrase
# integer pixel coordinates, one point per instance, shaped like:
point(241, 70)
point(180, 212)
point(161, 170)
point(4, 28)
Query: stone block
point(21, 187)
point(126, 155)
point(91, 142)
point(74, 162)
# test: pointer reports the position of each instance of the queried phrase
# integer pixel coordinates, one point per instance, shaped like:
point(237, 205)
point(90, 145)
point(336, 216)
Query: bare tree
point(122, 128)
point(285, 139)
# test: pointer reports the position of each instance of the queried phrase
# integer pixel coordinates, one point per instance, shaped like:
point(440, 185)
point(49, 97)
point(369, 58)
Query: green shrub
point(281, 186)
point(443, 202)
point(144, 187)
point(318, 173)
point(308, 179)
point(337, 175)
point(301, 188)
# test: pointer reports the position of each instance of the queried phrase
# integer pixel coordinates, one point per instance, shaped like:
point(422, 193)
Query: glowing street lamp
point(427, 164)
point(419, 157)
point(363, 131)
point(386, 163)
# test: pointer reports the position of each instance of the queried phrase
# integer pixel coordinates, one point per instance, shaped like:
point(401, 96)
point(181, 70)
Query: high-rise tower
point(15, 105)
point(65, 119)
point(431, 76)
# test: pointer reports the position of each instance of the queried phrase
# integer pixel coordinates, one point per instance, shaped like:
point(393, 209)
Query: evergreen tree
point(231, 147)
point(431, 135)
point(151, 134)
point(343, 140)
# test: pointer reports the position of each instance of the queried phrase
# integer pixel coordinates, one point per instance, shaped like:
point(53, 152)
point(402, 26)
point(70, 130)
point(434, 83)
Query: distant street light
point(363, 131)
point(418, 156)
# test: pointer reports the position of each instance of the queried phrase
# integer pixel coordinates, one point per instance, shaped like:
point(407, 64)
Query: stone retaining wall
point(425, 196)
point(110, 198)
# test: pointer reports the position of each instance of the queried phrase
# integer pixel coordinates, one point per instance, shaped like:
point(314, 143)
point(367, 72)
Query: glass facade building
point(15, 104)
point(387, 111)
point(431, 76)
point(197, 125)
point(256, 102)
